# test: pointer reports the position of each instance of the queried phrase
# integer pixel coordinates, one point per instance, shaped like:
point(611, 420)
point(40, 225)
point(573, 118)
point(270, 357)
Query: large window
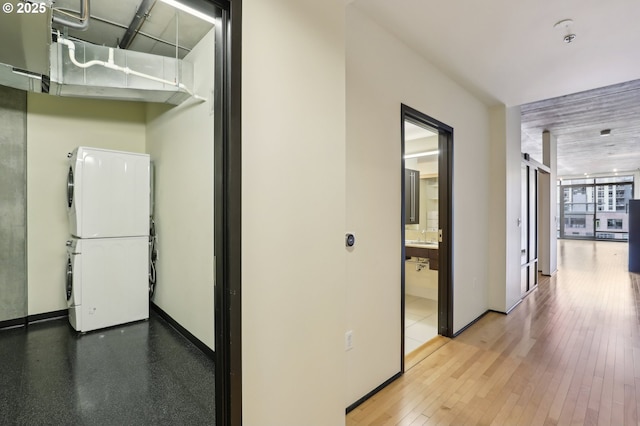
point(595, 208)
point(614, 223)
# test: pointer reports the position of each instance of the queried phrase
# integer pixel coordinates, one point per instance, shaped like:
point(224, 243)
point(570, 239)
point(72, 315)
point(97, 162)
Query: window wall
point(595, 208)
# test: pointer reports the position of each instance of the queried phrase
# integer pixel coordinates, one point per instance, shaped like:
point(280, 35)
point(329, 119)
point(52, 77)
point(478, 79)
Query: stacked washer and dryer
point(108, 200)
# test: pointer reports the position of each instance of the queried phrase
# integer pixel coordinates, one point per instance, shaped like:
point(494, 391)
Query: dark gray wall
point(13, 203)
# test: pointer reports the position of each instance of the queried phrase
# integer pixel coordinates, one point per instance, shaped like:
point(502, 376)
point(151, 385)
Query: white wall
point(504, 244)
point(382, 73)
point(180, 142)
point(55, 126)
point(513, 195)
point(293, 220)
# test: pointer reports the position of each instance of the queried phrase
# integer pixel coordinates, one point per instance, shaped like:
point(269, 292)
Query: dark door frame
point(227, 223)
point(445, 220)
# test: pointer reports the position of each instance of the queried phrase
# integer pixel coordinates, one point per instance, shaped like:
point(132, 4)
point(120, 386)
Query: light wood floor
point(568, 354)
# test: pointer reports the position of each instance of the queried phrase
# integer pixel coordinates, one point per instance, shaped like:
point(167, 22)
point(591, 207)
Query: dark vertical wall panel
point(634, 235)
point(13, 203)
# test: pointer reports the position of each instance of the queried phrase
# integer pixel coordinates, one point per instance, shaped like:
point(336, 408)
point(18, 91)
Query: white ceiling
point(419, 139)
point(412, 131)
point(508, 52)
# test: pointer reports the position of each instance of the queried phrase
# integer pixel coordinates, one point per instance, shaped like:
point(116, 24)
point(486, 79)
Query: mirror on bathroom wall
point(421, 149)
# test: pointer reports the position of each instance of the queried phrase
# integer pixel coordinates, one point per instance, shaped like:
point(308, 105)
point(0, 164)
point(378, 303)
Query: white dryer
point(107, 281)
point(108, 193)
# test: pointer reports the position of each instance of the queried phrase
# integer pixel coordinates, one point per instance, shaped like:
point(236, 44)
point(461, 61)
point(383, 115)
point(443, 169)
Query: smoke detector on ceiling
point(566, 25)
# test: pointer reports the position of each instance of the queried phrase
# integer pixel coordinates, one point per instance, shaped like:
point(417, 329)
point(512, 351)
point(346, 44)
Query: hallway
point(568, 354)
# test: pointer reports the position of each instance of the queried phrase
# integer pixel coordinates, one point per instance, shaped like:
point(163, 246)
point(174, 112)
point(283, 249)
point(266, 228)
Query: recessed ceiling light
point(605, 132)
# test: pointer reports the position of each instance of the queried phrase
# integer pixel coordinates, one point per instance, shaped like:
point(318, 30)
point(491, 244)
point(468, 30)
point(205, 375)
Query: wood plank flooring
point(568, 354)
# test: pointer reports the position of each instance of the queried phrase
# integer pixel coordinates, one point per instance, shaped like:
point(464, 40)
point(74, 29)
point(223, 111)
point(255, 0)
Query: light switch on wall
point(348, 340)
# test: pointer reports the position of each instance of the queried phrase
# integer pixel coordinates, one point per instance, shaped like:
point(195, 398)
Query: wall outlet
point(348, 340)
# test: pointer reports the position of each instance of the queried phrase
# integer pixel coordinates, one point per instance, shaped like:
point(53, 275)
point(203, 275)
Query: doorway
point(427, 158)
point(529, 175)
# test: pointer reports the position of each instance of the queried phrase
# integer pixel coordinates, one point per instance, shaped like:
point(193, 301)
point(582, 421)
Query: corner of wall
point(504, 289)
point(498, 184)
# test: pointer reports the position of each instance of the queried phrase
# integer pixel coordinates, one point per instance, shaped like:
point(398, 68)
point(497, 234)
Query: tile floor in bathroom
point(420, 322)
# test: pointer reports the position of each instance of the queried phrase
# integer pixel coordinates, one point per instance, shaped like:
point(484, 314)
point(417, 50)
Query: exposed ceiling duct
point(25, 41)
point(77, 22)
point(86, 70)
point(33, 61)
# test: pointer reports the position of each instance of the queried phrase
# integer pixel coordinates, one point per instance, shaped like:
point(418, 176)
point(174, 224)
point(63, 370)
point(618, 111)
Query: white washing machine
point(107, 281)
point(108, 193)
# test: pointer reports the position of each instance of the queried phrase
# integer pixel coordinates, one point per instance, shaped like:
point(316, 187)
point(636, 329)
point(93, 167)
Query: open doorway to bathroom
point(426, 217)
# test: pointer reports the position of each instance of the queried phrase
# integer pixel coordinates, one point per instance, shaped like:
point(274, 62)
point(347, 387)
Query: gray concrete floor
point(143, 373)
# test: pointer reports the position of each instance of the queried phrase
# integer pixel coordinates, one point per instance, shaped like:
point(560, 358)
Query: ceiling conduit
point(83, 18)
point(36, 62)
point(134, 27)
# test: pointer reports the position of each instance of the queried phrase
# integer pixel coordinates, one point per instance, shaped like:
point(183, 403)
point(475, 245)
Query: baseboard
point(186, 333)
point(485, 313)
point(517, 303)
point(13, 323)
point(47, 316)
point(31, 319)
point(472, 322)
point(373, 392)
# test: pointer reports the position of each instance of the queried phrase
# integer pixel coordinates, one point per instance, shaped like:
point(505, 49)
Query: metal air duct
point(30, 61)
point(25, 47)
point(91, 71)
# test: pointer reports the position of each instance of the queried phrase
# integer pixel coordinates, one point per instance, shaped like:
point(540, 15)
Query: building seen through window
point(595, 208)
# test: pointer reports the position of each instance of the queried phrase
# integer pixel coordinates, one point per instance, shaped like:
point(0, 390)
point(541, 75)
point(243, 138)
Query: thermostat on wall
point(350, 240)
